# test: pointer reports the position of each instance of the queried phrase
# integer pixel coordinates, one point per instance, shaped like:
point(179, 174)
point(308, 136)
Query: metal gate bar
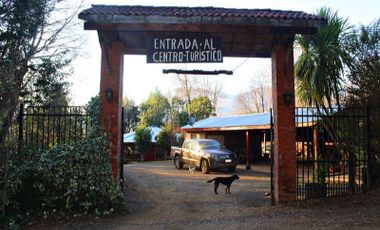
point(332, 152)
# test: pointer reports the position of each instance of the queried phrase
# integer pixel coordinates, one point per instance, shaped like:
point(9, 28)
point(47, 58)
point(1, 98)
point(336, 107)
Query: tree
point(31, 47)
point(143, 139)
point(178, 114)
point(364, 77)
point(131, 115)
point(155, 110)
point(320, 67)
point(258, 99)
point(211, 91)
point(49, 86)
point(319, 71)
point(187, 86)
point(166, 138)
point(201, 107)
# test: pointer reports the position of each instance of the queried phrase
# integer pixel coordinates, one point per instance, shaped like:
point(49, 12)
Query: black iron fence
point(332, 152)
point(46, 126)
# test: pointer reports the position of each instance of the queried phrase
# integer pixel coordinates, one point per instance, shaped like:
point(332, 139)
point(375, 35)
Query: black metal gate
point(271, 157)
point(46, 126)
point(332, 152)
point(122, 147)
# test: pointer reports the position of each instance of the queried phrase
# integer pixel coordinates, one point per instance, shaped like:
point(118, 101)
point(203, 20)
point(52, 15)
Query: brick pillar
point(284, 123)
point(248, 149)
point(111, 93)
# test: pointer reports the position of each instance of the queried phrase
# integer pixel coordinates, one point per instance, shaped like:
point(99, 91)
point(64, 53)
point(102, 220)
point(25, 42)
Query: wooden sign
point(184, 49)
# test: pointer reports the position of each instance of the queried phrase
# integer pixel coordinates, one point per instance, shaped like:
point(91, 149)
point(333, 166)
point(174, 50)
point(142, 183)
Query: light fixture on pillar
point(109, 94)
point(288, 98)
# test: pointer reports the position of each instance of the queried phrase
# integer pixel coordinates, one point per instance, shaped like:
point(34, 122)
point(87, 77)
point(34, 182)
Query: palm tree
point(320, 67)
point(319, 73)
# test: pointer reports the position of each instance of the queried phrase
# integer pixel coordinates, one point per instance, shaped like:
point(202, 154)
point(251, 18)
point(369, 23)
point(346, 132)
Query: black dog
point(224, 180)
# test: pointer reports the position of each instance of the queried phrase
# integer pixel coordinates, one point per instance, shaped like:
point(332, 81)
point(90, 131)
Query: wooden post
point(248, 149)
point(315, 144)
point(111, 92)
point(284, 118)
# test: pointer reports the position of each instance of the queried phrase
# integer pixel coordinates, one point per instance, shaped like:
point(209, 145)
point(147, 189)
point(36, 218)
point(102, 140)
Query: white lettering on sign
point(178, 50)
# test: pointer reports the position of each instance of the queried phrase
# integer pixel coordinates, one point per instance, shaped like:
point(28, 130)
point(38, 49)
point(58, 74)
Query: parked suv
point(206, 154)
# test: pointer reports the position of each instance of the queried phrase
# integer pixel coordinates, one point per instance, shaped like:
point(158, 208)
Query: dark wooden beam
point(204, 28)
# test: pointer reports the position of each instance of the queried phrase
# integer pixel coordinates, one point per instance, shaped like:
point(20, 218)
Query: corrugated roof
point(127, 10)
point(130, 137)
point(257, 119)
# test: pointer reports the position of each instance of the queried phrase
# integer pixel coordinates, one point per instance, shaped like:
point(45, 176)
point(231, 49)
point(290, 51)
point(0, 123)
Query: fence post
point(271, 158)
point(20, 126)
point(368, 147)
point(122, 152)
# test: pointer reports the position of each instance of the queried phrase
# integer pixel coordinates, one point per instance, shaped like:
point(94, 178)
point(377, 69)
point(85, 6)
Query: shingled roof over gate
point(124, 14)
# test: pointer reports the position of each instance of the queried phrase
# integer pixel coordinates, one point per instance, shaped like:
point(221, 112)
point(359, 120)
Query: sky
point(141, 78)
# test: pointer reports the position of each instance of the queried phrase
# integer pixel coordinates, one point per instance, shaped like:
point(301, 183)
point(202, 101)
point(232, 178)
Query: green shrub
point(165, 138)
point(72, 179)
point(143, 138)
point(67, 179)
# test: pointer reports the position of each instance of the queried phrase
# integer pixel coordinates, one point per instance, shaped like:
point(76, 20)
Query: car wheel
point(205, 168)
point(231, 169)
point(177, 162)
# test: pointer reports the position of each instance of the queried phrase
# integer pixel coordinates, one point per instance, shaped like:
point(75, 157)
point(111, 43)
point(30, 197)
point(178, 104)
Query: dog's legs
point(228, 189)
point(216, 185)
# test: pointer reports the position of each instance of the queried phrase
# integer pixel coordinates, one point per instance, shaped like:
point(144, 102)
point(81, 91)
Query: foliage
point(211, 90)
point(155, 110)
point(73, 179)
point(131, 115)
point(183, 118)
point(201, 107)
point(32, 53)
point(321, 170)
point(364, 77)
point(167, 137)
point(320, 67)
point(320, 173)
point(49, 85)
point(143, 139)
point(178, 114)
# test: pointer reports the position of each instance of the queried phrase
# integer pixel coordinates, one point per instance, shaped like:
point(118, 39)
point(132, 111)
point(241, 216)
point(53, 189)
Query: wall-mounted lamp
point(288, 98)
point(109, 94)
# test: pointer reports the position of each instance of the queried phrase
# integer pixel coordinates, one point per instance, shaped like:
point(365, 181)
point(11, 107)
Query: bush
point(143, 138)
point(165, 138)
point(65, 180)
point(68, 179)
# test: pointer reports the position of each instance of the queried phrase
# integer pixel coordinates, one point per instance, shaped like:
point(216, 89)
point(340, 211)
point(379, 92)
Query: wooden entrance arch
point(244, 33)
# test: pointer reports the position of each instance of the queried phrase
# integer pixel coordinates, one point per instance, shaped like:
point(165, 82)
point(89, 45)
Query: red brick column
point(111, 93)
point(284, 123)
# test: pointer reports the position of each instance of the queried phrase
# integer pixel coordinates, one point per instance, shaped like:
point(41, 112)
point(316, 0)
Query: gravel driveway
point(162, 197)
point(169, 197)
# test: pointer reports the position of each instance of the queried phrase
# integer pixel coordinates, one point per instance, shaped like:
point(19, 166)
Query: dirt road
point(162, 197)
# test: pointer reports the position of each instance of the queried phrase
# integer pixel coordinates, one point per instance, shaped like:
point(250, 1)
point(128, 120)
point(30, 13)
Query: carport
point(242, 33)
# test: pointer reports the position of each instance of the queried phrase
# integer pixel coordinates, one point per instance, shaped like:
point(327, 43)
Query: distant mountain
point(227, 105)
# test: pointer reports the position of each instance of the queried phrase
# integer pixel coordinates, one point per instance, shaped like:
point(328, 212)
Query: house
point(153, 153)
point(250, 135)
point(238, 133)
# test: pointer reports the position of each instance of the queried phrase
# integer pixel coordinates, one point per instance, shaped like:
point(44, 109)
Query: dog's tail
point(210, 181)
